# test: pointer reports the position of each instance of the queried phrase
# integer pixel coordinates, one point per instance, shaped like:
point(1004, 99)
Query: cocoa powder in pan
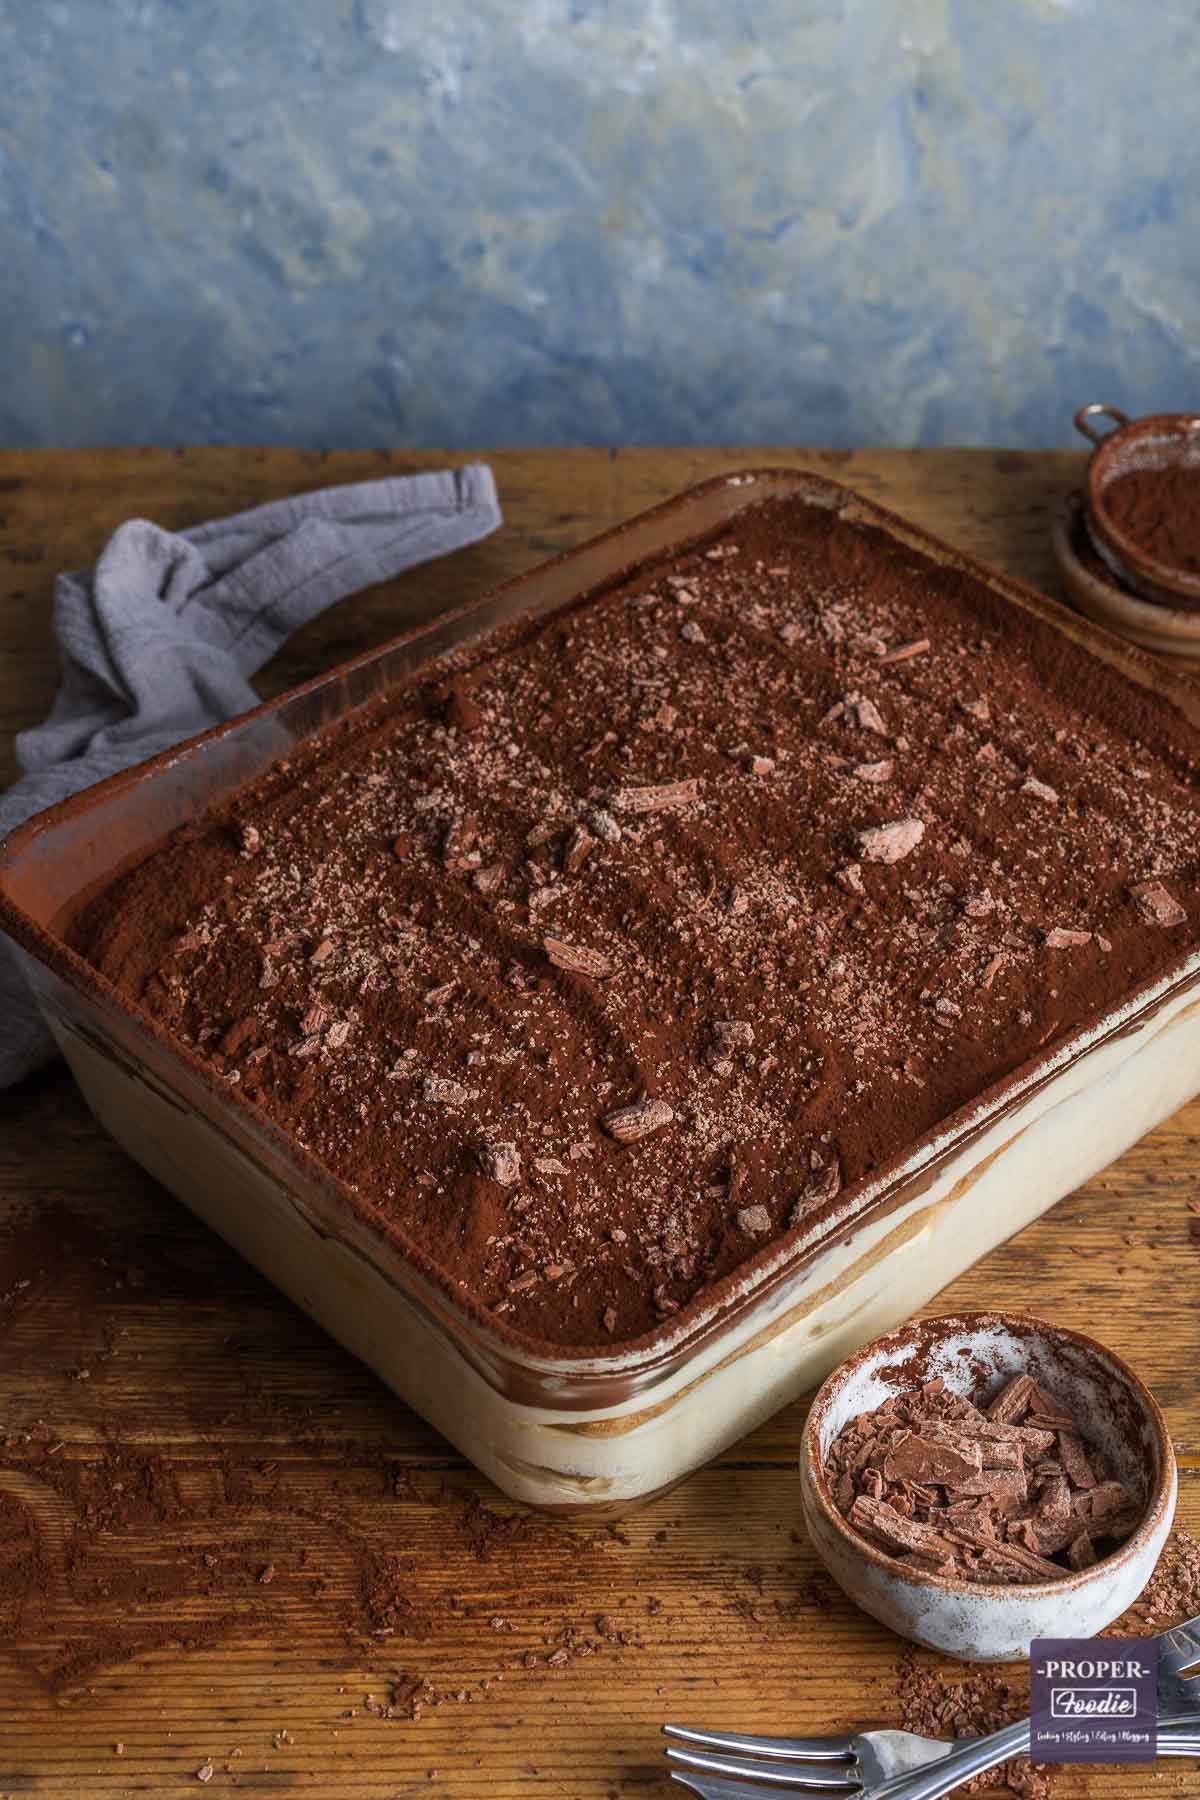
point(1159, 510)
point(704, 902)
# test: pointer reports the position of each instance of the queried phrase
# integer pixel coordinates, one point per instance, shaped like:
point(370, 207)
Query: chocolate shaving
point(890, 843)
point(655, 799)
point(629, 1123)
point(1082, 1552)
point(867, 714)
point(500, 1162)
point(823, 1185)
point(444, 1092)
point(1012, 1402)
point(905, 652)
point(580, 845)
point(1059, 937)
point(577, 959)
point(1156, 906)
point(950, 1490)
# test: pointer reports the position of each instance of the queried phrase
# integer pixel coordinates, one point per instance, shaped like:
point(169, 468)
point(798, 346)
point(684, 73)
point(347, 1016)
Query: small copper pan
point(1158, 441)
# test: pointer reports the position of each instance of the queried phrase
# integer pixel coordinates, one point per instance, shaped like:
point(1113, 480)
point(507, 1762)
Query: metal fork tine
point(716, 1788)
point(820, 1749)
point(1180, 1647)
point(824, 1776)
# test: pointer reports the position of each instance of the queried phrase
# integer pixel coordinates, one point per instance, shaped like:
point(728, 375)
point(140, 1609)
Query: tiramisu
point(622, 944)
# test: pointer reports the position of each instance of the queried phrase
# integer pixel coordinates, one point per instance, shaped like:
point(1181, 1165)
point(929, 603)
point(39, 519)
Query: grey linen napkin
point(159, 640)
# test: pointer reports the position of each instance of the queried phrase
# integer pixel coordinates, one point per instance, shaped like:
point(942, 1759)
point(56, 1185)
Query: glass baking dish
point(555, 1427)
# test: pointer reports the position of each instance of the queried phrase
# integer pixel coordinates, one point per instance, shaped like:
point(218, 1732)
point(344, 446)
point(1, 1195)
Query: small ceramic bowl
point(1158, 441)
point(977, 1621)
point(1170, 631)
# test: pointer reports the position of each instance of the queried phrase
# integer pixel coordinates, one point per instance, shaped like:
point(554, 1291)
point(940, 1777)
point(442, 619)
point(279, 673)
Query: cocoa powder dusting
point(113, 1549)
point(904, 832)
point(258, 1528)
point(966, 1705)
point(1159, 510)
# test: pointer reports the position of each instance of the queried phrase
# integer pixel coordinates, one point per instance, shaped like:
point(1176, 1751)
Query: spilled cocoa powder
point(617, 947)
point(1159, 510)
point(256, 1527)
point(940, 1699)
point(257, 1530)
point(970, 1705)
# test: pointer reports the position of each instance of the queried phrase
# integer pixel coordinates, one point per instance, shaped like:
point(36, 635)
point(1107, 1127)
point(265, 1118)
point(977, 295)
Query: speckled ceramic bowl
point(975, 1620)
point(1159, 441)
point(1169, 631)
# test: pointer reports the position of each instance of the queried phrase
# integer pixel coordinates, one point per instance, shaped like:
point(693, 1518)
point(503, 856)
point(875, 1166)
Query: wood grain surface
point(140, 1336)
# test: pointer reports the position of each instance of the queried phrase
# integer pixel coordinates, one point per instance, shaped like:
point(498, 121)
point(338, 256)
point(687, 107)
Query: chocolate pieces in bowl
point(998, 1490)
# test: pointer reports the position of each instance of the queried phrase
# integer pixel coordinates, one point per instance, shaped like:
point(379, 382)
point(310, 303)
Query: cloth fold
point(158, 641)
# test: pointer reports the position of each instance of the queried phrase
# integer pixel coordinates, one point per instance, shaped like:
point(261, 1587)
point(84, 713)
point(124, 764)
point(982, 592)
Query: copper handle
point(1098, 410)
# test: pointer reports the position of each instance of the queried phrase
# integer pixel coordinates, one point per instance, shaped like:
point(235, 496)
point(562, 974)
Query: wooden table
point(274, 1445)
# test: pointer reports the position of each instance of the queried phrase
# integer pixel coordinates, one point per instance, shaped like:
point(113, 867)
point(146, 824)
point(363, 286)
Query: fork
point(898, 1765)
point(862, 1766)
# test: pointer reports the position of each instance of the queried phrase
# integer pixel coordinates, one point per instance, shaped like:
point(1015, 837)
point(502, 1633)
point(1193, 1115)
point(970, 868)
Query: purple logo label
point(1094, 1700)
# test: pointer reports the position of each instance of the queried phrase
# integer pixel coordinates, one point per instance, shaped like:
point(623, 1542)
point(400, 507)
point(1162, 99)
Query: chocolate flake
point(874, 772)
point(936, 1482)
point(580, 845)
point(1059, 937)
point(755, 1221)
point(823, 1185)
point(890, 843)
point(604, 825)
point(1082, 1552)
point(629, 1123)
point(867, 714)
point(577, 959)
point(1156, 906)
point(656, 799)
point(488, 879)
point(1012, 1402)
point(500, 1162)
point(905, 652)
point(1074, 1460)
point(444, 1092)
point(1040, 790)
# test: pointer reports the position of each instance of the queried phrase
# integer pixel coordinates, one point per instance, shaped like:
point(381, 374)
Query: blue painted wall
point(378, 222)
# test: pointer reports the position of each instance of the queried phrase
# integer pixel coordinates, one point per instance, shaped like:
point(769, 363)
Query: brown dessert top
point(609, 951)
point(1159, 510)
point(999, 1490)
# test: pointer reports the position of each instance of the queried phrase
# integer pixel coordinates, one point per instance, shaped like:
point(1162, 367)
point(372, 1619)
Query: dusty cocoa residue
point(256, 1528)
point(941, 1702)
point(1173, 1592)
point(626, 942)
point(1159, 510)
point(941, 1699)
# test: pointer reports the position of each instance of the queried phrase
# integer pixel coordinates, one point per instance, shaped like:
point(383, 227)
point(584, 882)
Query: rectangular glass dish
point(554, 1426)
